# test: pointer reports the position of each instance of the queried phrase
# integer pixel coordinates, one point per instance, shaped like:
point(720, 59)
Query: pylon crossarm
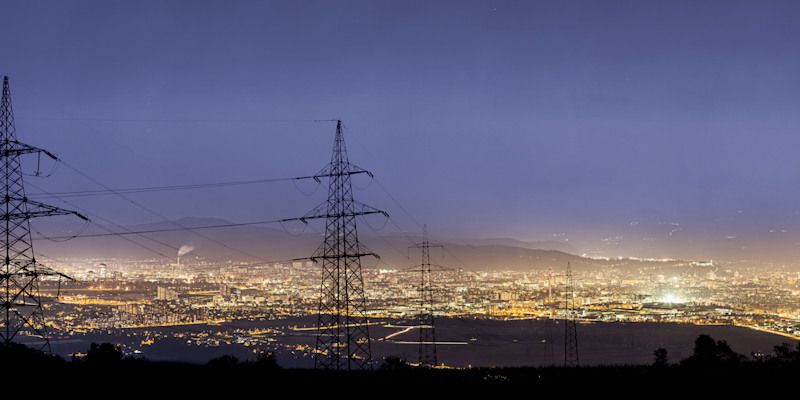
point(343, 255)
point(319, 254)
point(15, 148)
point(353, 169)
point(36, 209)
point(425, 244)
point(338, 215)
point(34, 274)
point(340, 168)
point(46, 210)
point(300, 259)
point(61, 275)
point(367, 209)
point(318, 177)
point(433, 267)
point(41, 270)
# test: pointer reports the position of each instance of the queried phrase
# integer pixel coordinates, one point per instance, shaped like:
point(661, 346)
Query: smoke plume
point(185, 249)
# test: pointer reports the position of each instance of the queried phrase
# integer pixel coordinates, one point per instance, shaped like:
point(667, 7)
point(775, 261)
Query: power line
point(184, 120)
point(181, 228)
point(124, 235)
point(152, 212)
point(108, 231)
point(397, 203)
point(384, 240)
point(149, 189)
point(413, 219)
point(127, 231)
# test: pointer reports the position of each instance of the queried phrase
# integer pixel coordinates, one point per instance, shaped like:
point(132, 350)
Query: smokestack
point(185, 249)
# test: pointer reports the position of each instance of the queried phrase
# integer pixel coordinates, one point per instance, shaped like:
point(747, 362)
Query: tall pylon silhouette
point(343, 340)
point(547, 354)
point(571, 358)
point(22, 307)
point(425, 319)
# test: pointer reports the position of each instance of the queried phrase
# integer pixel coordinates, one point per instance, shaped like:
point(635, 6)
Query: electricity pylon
point(22, 307)
point(548, 322)
point(425, 319)
point(343, 340)
point(570, 326)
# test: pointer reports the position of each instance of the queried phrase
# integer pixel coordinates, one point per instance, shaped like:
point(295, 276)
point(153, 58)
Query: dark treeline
point(711, 361)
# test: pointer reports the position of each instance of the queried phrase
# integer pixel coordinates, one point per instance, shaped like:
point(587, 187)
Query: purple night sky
point(517, 119)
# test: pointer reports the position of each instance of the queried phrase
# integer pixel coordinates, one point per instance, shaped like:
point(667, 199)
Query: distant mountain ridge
point(267, 243)
point(536, 245)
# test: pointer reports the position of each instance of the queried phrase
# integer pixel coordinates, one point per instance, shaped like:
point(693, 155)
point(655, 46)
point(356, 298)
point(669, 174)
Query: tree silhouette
point(21, 356)
point(785, 354)
point(660, 358)
point(226, 361)
point(394, 363)
point(104, 354)
point(266, 360)
point(708, 352)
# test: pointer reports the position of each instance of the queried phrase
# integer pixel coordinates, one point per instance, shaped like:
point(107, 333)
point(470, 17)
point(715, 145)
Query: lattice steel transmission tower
point(22, 307)
point(571, 358)
point(548, 358)
point(343, 340)
point(425, 319)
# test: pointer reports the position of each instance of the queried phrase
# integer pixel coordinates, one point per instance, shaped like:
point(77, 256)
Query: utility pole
point(549, 320)
point(22, 307)
point(570, 326)
point(343, 340)
point(425, 318)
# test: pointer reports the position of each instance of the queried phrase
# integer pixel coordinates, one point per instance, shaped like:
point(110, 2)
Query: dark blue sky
point(484, 118)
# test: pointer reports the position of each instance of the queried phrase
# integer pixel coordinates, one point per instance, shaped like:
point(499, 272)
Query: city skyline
point(482, 192)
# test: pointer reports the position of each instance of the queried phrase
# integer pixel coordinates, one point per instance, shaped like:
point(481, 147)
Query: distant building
point(506, 296)
point(166, 294)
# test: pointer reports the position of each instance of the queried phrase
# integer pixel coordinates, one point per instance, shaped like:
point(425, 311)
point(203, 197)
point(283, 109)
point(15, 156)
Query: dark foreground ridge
point(712, 362)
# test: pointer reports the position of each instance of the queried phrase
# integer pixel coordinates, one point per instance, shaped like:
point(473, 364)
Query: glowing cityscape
point(480, 192)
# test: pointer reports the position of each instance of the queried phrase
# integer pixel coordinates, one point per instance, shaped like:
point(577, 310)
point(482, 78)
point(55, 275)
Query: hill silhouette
point(712, 361)
point(293, 241)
